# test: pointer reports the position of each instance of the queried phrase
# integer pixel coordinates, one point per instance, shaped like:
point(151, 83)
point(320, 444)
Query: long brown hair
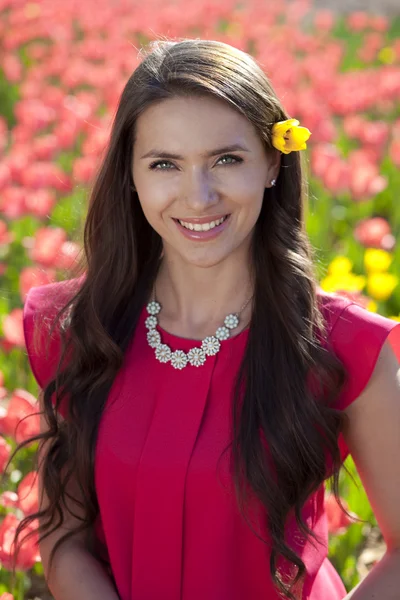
point(122, 253)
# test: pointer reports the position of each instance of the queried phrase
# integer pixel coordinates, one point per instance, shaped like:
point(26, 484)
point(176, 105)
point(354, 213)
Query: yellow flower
point(395, 318)
point(348, 282)
point(340, 264)
point(377, 260)
point(381, 285)
point(372, 306)
point(288, 137)
point(387, 55)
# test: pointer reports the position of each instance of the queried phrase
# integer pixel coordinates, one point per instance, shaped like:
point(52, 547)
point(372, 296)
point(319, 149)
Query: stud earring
point(273, 182)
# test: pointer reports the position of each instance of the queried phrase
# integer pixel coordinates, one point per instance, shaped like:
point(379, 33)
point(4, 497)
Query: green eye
point(154, 165)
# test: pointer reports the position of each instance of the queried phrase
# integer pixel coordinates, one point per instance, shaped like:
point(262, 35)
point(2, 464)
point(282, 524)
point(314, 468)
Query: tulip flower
point(375, 232)
point(380, 286)
point(287, 136)
point(376, 260)
point(338, 521)
point(29, 551)
point(5, 451)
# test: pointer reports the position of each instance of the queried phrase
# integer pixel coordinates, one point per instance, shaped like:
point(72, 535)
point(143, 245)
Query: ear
point(274, 165)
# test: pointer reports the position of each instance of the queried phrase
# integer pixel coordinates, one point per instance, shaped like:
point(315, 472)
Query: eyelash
point(153, 165)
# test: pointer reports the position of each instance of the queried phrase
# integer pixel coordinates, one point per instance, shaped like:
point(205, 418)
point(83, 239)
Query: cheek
point(153, 209)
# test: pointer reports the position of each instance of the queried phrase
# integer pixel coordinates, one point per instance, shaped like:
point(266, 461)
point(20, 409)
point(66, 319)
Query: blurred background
point(336, 67)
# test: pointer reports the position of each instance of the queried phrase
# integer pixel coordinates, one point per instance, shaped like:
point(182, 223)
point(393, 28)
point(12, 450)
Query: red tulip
point(40, 202)
point(45, 147)
point(5, 451)
point(375, 232)
point(6, 237)
point(13, 329)
point(34, 276)
point(5, 174)
point(29, 551)
point(12, 68)
point(358, 20)
point(365, 182)
point(6, 596)
point(45, 174)
point(338, 521)
point(9, 499)
point(12, 202)
point(394, 152)
point(13, 423)
point(47, 245)
point(28, 493)
point(83, 169)
point(67, 256)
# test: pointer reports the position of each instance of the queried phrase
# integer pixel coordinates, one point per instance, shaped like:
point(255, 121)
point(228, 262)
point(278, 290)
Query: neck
point(196, 300)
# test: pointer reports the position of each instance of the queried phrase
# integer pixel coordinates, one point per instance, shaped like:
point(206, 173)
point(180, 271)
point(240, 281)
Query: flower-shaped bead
point(222, 333)
point(154, 338)
point(163, 353)
point(179, 359)
point(151, 322)
point(210, 345)
point(153, 308)
point(231, 321)
point(196, 357)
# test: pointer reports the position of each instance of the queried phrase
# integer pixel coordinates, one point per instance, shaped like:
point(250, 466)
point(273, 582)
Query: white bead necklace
point(197, 355)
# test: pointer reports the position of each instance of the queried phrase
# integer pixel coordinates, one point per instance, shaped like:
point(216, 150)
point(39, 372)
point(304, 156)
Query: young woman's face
point(201, 195)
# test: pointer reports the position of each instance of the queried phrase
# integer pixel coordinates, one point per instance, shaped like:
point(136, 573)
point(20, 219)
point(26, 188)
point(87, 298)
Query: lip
point(203, 235)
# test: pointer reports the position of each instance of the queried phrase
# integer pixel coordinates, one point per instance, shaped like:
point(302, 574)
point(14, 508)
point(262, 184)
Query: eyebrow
point(162, 154)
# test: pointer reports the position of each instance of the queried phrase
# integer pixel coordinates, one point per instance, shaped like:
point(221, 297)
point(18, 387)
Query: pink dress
point(168, 518)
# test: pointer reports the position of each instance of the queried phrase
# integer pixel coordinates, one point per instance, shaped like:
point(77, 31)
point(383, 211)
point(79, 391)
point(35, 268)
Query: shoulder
point(42, 303)
point(357, 336)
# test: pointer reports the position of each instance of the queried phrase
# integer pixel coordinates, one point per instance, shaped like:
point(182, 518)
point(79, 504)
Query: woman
point(208, 387)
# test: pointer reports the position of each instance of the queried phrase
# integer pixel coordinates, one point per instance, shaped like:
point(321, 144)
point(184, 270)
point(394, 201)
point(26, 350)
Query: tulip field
point(63, 66)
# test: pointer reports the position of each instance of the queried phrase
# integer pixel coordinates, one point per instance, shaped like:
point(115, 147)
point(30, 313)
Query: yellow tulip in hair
point(287, 136)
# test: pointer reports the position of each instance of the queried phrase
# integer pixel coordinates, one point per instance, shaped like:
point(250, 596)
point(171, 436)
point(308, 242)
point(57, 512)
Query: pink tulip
point(9, 499)
point(40, 202)
point(358, 20)
point(84, 169)
point(12, 68)
point(34, 276)
point(365, 182)
point(29, 551)
point(68, 255)
point(28, 493)
point(375, 232)
point(337, 176)
point(338, 521)
point(6, 237)
point(14, 424)
point(45, 147)
point(5, 451)
point(324, 20)
point(13, 329)
point(6, 596)
point(394, 152)
point(5, 174)
point(379, 23)
point(47, 245)
point(45, 174)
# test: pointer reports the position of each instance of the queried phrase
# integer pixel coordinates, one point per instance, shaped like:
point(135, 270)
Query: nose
point(199, 192)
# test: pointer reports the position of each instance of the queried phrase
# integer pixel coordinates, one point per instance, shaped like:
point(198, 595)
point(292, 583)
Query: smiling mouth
point(202, 226)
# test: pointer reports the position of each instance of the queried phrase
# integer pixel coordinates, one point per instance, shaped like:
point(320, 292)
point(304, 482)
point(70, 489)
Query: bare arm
point(373, 438)
point(75, 572)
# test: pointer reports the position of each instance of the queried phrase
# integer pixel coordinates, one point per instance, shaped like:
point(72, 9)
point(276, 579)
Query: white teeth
point(202, 226)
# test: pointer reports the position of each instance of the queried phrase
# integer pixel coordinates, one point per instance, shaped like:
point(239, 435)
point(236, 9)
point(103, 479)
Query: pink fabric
point(168, 513)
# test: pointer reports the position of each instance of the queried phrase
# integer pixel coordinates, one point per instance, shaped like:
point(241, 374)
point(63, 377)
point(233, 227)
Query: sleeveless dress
point(168, 519)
